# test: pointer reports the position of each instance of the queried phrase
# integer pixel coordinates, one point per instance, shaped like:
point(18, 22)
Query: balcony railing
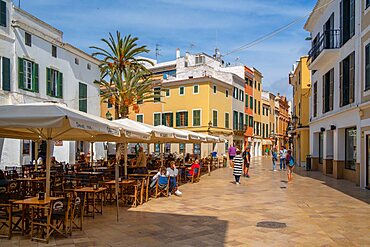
point(328, 40)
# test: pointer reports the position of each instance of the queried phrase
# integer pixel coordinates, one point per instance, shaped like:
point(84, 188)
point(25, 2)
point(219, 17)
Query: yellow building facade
point(201, 105)
point(299, 79)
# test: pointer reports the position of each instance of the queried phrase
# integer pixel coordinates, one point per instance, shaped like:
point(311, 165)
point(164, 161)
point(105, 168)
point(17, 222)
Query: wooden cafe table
point(98, 195)
point(33, 201)
point(122, 184)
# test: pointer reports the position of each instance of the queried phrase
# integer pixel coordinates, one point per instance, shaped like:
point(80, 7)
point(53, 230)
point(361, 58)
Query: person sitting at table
point(173, 172)
point(3, 181)
point(53, 162)
point(161, 173)
point(82, 161)
point(194, 166)
point(141, 162)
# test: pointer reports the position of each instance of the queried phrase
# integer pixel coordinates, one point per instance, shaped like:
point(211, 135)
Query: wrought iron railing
point(328, 40)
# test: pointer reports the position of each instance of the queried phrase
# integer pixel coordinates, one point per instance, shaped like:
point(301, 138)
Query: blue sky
point(227, 24)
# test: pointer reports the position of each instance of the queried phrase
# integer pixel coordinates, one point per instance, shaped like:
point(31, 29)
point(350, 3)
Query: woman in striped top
point(238, 166)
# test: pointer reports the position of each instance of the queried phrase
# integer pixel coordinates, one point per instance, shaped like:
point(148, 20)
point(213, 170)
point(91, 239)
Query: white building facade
point(37, 66)
point(336, 61)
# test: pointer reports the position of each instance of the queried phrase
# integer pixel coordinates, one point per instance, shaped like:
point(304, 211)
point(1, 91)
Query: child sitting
point(161, 177)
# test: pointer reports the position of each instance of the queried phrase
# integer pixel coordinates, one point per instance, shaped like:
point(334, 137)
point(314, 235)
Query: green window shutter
point(48, 81)
point(6, 74)
point(171, 119)
point(177, 119)
point(163, 118)
point(60, 85)
point(35, 77)
point(3, 13)
point(186, 118)
point(20, 73)
point(82, 97)
point(246, 100)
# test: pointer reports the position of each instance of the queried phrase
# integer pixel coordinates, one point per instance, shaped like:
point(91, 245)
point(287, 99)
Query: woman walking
point(238, 162)
point(290, 163)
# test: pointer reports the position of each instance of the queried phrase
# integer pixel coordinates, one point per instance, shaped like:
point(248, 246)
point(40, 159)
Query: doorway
point(367, 162)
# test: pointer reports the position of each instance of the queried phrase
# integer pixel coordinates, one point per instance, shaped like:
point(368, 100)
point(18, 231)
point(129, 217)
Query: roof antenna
point(157, 51)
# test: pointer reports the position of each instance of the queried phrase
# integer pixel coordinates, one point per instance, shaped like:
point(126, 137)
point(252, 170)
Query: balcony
point(327, 46)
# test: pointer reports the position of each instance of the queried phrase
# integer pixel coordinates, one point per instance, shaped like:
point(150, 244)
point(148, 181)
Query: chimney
point(177, 53)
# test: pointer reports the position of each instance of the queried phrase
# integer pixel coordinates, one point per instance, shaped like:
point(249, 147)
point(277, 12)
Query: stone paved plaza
point(313, 210)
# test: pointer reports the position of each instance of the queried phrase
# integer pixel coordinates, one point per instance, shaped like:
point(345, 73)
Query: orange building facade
point(248, 109)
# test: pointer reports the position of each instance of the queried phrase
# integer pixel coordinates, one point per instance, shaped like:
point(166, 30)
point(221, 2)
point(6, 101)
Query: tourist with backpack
point(290, 163)
point(274, 158)
point(247, 160)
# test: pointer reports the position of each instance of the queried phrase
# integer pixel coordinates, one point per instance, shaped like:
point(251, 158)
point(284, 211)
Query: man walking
point(247, 159)
point(282, 158)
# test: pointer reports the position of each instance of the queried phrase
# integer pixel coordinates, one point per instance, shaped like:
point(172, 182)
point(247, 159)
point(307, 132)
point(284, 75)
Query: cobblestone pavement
point(264, 210)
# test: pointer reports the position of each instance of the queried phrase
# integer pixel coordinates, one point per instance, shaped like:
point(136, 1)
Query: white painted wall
point(12, 45)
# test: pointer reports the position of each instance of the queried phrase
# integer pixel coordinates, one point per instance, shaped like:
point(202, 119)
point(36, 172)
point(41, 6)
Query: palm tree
point(124, 79)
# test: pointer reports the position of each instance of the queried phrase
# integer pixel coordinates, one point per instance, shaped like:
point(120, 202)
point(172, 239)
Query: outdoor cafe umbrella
point(51, 122)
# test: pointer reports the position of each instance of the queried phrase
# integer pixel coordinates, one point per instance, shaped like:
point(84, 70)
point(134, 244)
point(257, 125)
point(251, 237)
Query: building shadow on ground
point(344, 186)
point(137, 228)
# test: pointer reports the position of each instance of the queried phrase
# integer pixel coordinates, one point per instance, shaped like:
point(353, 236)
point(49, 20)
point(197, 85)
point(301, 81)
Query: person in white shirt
point(172, 171)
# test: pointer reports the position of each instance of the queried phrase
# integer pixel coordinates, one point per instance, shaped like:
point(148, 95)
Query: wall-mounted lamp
point(322, 129)
point(333, 127)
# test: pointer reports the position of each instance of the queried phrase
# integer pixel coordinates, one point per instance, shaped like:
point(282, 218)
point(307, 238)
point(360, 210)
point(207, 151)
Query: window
point(328, 91)
point(251, 121)
point(255, 104)
point(195, 89)
point(109, 104)
point(214, 118)
point(54, 51)
point(255, 84)
point(263, 130)
point(77, 61)
point(199, 59)
point(367, 66)
point(27, 39)
point(259, 86)
point(6, 73)
point(157, 119)
point(246, 100)
point(267, 130)
point(315, 99)
point(54, 83)
point(235, 93)
point(157, 94)
point(241, 95)
point(140, 118)
point(214, 89)
point(235, 120)
point(167, 92)
point(3, 13)
point(246, 123)
point(251, 102)
point(182, 148)
point(259, 107)
point(367, 4)
point(157, 147)
point(241, 121)
point(350, 152)
point(347, 80)
point(182, 90)
point(267, 111)
point(227, 120)
point(167, 119)
point(196, 117)
point(347, 20)
point(139, 100)
point(182, 119)
point(82, 97)
point(227, 93)
point(197, 149)
point(89, 66)
point(28, 75)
